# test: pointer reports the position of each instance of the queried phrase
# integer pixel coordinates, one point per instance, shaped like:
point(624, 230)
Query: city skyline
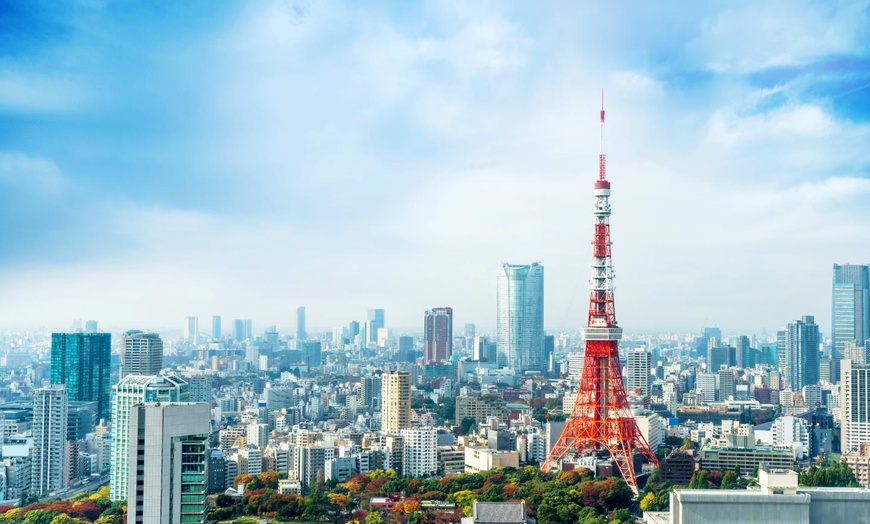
point(257, 128)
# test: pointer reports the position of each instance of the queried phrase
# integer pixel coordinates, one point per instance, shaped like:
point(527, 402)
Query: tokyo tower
point(601, 418)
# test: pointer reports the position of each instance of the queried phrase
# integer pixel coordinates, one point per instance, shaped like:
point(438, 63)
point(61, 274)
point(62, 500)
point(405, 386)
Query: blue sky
point(242, 159)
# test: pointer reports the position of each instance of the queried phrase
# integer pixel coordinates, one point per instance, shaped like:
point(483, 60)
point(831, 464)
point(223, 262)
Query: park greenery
point(572, 497)
point(92, 507)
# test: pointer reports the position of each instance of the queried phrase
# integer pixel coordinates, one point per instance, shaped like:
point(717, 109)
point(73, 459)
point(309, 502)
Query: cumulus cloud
point(347, 157)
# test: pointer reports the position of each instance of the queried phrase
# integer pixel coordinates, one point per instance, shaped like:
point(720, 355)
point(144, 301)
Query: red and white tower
point(601, 418)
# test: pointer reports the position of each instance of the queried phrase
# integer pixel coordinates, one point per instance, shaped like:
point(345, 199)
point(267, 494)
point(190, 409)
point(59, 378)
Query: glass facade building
point(850, 311)
point(520, 317)
point(802, 353)
point(83, 362)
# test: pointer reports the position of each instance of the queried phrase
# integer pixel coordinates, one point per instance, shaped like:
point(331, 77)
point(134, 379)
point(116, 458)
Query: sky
point(159, 160)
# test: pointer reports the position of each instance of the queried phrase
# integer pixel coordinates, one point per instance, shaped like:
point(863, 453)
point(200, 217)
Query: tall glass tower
point(520, 320)
point(802, 353)
point(850, 311)
point(83, 361)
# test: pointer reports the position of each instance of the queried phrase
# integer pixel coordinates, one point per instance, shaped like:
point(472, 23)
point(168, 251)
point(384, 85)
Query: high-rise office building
point(375, 322)
point(743, 353)
point(855, 408)
point(482, 349)
point(438, 335)
point(705, 385)
point(520, 317)
point(83, 361)
point(91, 326)
point(637, 372)
point(216, 327)
point(141, 353)
point(395, 402)
point(301, 334)
point(132, 390)
point(239, 330)
point(726, 384)
point(169, 445)
point(370, 391)
point(48, 459)
point(802, 353)
point(312, 354)
point(850, 311)
point(191, 330)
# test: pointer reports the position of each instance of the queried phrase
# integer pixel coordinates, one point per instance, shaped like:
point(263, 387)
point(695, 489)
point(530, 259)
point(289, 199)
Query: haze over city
point(244, 159)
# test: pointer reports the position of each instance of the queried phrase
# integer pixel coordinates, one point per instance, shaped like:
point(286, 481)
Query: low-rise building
point(480, 458)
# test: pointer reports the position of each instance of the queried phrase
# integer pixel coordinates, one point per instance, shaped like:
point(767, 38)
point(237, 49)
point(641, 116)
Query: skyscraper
point(91, 326)
point(48, 460)
point(520, 318)
point(438, 335)
point(855, 410)
point(395, 402)
point(142, 353)
point(169, 444)
point(375, 322)
point(300, 324)
point(637, 371)
point(239, 330)
point(130, 391)
point(191, 330)
point(802, 353)
point(83, 361)
point(850, 311)
point(216, 327)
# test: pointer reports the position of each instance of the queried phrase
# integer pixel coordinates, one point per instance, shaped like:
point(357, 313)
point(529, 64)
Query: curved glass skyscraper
point(520, 320)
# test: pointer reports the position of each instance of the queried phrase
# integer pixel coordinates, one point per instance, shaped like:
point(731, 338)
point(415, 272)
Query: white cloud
point(32, 174)
point(753, 36)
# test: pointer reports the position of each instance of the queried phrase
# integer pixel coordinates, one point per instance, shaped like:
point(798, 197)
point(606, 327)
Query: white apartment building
point(421, 451)
point(48, 460)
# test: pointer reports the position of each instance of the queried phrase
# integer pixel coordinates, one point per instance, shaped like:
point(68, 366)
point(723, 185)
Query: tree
point(687, 444)
point(729, 481)
point(269, 479)
point(467, 425)
point(375, 517)
point(411, 506)
point(242, 479)
point(647, 501)
point(224, 501)
point(700, 480)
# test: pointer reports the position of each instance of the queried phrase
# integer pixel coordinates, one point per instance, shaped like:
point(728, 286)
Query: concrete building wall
point(704, 507)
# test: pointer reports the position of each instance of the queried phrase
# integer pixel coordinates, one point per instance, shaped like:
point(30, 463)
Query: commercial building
point(480, 409)
point(520, 317)
point(169, 445)
point(395, 402)
point(778, 500)
point(855, 410)
point(133, 390)
point(376, 321)
point(850, 311)
point(216, 327)
point(141, 353)
point(191, 330)
point(301, 333)
point(83, 362)
point(481, 458)
point(720, 458)
point(637, 372)
point(48, 459)
point(802, 353)
point(438, 335)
